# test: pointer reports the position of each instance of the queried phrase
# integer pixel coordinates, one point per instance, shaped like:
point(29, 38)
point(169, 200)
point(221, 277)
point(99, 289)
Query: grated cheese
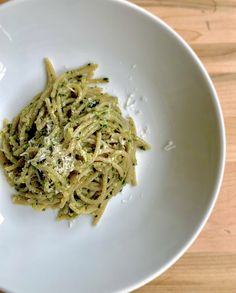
point(71, 223)
point(144, 131)
point(1, 219)
point(170, 146)
point(129, 101)
point(124, 201)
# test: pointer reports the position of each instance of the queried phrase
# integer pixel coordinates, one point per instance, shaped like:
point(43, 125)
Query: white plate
point(139, 239)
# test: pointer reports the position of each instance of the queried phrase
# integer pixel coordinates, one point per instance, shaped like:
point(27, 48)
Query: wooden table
point(209, 26)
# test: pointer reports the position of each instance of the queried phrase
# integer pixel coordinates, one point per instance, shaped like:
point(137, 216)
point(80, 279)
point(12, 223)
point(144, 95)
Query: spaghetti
point(70, 149)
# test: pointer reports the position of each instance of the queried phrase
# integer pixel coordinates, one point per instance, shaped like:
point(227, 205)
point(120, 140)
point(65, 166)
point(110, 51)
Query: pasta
point(70, 149)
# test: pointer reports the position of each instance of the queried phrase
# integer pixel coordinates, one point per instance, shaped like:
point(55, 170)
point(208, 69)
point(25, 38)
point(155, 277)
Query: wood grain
point(209, 26)
point(197, 273)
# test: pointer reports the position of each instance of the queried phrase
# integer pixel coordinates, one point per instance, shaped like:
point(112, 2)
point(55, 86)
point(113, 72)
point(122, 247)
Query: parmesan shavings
point(170, 146)
point(144, 132)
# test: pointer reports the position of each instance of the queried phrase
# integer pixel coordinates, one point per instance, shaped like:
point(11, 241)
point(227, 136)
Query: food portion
point(70, 149)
